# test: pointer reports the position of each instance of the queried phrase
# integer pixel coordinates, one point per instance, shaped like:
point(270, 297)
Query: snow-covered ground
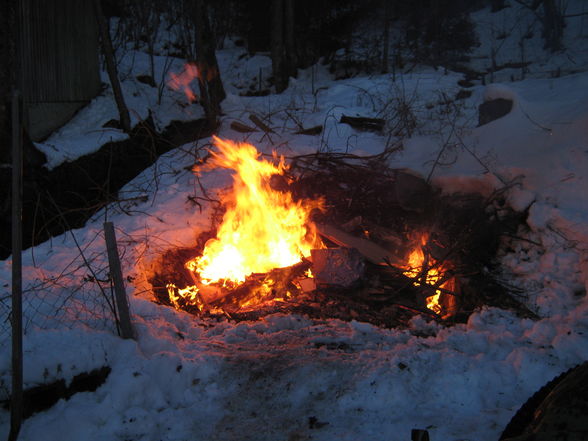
point(288, 377)
point(512, 41)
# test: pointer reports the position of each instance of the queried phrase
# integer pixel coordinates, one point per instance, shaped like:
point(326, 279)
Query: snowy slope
point(290, 377)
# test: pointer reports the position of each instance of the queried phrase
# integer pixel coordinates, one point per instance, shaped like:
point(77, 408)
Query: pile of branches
point(393, 209)
point(396, 208)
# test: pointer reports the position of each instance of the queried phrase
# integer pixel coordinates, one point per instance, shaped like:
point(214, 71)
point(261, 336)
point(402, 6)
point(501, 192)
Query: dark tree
point(147, 20)
point(283, 51)
point(441, 36)
point(386, 36)
point(8, 20)
point(552, 20)
point(108, 51)
point(296, 33)
point(199, 47)
point(212, 91)
point(553, 25)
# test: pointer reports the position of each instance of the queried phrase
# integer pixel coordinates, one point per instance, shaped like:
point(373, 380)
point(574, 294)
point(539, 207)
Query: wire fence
point(78, 294)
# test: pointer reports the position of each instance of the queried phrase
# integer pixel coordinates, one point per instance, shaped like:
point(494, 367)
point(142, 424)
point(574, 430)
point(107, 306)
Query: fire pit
point(338, 236)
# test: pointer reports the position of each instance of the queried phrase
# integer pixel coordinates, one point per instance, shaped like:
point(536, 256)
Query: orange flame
point(192, 71)
point(183, 80)
point(262, 228)
point(414, 268)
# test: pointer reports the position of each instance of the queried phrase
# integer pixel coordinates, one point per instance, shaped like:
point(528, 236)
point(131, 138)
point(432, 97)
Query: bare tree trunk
point(552, 20)
point(211, 87)
point(151, 42)
point(290, 55)
point(123, 111)
point(277, 46)
point(146, 15)
point(435, 30)
point(552, 25)
point(284, 53)
point(9, 71)
point(16, 403)
point(386, 37)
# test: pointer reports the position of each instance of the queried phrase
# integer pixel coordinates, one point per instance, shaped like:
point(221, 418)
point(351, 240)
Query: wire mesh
point(75, 293)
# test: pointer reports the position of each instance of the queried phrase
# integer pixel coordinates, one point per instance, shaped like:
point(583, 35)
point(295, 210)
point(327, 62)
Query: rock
point(112, 124)
point(337, 266)
point(492, 110)
point(146, 79)
point(463, 94)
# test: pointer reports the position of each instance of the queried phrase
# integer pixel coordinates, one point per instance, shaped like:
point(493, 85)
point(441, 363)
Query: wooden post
point(16, 314)
point(122, 306)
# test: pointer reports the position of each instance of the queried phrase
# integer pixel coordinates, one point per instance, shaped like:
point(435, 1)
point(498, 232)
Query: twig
point(439, 155)
point(479, 161)
point(83, 256)
point(428, 313)
point(546, 129)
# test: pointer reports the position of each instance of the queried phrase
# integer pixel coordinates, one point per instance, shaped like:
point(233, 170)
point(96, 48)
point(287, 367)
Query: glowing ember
point(262, 228)
point(427, 272)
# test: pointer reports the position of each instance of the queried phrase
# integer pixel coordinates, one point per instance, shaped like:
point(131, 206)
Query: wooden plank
point(119, 288)
point(371, 251)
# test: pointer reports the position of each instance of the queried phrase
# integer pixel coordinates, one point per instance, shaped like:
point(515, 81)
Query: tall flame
point(414, 268)
point(262, 228)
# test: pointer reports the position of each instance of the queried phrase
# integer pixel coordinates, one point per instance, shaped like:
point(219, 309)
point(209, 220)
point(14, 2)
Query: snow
point(288, 376)
point(512, 36)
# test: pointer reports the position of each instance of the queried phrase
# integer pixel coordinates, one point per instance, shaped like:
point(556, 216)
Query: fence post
point(119, 288)
point(16, 399)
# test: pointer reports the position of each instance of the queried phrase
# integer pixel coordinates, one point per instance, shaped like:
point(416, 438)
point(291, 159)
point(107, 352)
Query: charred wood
point(364, 123)
point(311, 131)
point(259, 123)
point(242, 128)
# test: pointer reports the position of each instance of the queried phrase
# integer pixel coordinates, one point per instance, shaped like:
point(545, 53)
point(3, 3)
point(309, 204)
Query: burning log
point(307, 284)
point(260, 288)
